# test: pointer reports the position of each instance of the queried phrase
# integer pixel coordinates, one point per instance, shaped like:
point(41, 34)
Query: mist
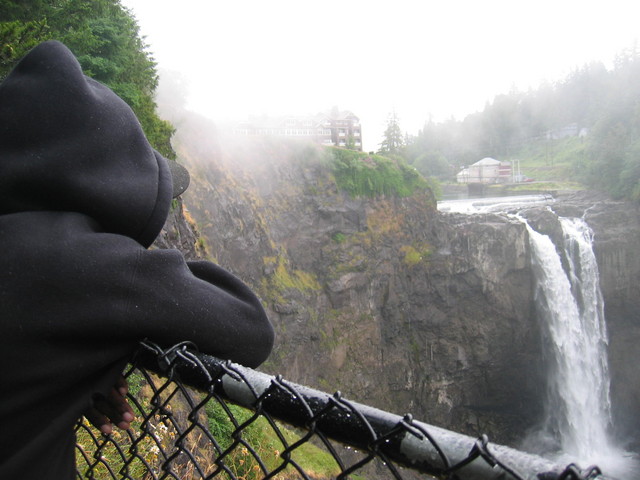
point(423, 61)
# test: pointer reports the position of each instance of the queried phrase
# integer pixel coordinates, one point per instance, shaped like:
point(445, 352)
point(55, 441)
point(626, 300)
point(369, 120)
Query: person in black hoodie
point(82, 197)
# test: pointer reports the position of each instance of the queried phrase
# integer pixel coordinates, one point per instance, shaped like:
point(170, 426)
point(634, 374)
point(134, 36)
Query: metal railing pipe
point(402, 440)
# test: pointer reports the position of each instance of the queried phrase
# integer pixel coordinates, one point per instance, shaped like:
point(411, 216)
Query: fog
point(423, 60)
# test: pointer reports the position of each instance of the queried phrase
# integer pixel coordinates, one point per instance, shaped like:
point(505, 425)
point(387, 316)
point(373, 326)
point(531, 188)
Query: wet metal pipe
point(416, 445)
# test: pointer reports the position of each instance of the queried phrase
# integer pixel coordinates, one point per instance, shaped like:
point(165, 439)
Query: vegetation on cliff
point(104, 37)
point(369, 175)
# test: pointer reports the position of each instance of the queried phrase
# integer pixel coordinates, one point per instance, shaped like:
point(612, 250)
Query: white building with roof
point(487, 170)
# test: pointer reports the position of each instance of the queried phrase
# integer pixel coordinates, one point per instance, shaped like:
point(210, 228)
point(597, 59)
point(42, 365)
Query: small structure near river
point(486, 171)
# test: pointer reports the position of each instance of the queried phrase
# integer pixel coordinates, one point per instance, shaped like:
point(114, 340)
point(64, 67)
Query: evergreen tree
point(393, 140)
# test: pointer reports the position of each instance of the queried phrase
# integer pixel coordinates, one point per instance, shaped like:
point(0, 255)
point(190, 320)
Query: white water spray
point(572, 308)
point(570, 302)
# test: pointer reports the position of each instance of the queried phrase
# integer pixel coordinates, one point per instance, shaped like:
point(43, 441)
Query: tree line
point(599, 103)
point(105, 38)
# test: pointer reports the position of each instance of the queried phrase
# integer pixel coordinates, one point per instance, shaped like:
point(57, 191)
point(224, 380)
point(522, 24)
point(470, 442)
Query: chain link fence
point(199, 418)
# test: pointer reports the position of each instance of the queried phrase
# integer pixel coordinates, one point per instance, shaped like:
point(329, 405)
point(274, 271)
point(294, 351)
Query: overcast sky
point(422, 58)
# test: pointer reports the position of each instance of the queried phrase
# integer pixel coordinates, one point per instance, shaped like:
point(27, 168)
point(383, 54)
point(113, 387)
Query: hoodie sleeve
point(174, 301)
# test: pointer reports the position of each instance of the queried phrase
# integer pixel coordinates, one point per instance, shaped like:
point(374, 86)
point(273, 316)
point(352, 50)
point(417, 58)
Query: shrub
point(363, 175)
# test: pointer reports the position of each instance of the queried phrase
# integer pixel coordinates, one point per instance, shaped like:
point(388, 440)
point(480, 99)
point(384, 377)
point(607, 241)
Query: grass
point(241, 437)
point(258, 439)
point(364, 175)
point(550, 163)
point(415, 254)
point(285, 279)
point(550, 160)
point(548, 186)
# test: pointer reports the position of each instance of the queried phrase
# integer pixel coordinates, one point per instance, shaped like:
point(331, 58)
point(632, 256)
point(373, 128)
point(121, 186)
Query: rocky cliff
point(384, 298)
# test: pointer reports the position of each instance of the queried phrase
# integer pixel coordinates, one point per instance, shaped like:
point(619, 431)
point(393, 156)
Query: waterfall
point(570, 304)
point(571, 309)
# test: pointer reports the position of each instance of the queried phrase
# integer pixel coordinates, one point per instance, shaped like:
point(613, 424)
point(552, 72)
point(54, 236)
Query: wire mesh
point(201, 418)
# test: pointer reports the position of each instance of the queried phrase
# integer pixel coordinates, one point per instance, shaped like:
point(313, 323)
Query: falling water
point(571, 307)
point(570, 302)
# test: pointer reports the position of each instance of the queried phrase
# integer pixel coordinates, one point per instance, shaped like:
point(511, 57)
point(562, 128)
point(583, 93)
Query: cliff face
point(384, 299)
point(387, 300)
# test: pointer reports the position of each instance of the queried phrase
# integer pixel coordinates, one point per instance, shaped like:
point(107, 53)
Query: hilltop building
point(335, 128)
point(487, 170)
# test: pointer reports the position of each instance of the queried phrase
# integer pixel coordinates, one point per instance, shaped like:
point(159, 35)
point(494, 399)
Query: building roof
point(487, 161)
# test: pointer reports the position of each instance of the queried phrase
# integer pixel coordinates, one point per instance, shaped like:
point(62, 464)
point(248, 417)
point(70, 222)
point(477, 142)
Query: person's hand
point(112, 409)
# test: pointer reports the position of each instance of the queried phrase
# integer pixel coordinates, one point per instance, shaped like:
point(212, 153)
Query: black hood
point(68, 143)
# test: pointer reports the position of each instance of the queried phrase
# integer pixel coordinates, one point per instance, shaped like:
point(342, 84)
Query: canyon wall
point(386, 299)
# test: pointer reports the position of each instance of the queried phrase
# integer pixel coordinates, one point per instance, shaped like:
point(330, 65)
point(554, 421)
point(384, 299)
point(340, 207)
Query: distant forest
point(598, 105)
point(105, 38)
